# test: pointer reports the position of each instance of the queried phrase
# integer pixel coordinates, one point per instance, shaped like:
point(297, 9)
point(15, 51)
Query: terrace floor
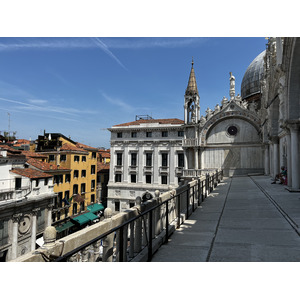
point(244, 219)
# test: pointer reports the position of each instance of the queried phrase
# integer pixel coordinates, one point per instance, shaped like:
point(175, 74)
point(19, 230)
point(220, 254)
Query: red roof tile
point(159, 121)
point(69, 147)
point(43, 165)
point(80, 145)
point(34, 154)
point(102, 166)
point(10, 149)
point(31, 173)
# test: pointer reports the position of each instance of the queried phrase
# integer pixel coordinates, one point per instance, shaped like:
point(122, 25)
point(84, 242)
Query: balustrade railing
point(140, 232)
point(153, 221)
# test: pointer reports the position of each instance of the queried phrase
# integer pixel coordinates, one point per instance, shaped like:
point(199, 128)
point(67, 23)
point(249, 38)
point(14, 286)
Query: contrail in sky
point(107, 51)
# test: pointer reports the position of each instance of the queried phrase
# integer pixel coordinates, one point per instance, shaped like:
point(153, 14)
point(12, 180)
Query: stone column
point(172, 164)
point(196, 159)
point(267, 160)
point(276, 167)
point(294, 128)
point(33, 228)
point(14, 246)
point(289, 160)
point(49, 215)
point(155, 164)
point(140, 163)
point(125, 162)
point(186, 165)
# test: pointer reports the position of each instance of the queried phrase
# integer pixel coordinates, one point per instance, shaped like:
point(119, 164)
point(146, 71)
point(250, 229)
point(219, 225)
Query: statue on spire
point(232, 86)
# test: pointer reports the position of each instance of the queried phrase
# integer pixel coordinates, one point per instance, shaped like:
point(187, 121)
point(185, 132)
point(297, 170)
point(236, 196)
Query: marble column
point(267, 160)
point(49, 215)
point(295, 156)
point(125, 162)
point(14, 246)
point(34, 228)
point(276, 167)
point(140, 163)
point(289, 160)
point(196, 159)
point(172, 164)
point(186, 165)
point(155, 164)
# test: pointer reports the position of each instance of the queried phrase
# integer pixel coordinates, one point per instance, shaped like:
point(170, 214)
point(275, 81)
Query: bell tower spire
point(191, 99)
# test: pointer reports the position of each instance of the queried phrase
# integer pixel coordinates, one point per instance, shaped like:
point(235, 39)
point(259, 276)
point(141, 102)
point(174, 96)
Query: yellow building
point(76, 188)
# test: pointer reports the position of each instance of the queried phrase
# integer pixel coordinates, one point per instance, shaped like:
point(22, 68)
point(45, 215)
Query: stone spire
point(192, 85)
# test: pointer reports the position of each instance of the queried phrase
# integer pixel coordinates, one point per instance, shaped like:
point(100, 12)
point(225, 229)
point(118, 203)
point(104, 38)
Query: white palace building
point(256, 132)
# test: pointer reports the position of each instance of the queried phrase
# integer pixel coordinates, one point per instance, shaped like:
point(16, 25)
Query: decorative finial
point(192, 61)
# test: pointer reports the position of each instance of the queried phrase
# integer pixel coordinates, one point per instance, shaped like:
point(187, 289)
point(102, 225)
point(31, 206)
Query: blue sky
point(81, 86)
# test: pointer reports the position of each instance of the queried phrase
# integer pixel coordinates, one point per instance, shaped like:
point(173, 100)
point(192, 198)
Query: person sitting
point(282, 176)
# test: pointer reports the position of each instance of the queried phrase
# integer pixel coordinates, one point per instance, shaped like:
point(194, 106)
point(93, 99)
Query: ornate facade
point(281, 108)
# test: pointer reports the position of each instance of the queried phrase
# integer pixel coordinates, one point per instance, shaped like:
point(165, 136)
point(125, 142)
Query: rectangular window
point(76, 158)
point(133, 159)
point(83, 158)
point(59, 198)
point(180, 133)
point(133, 134)
point(93, 184)
point(82, 188)
point(117, 206)
point(148, 178)
point(83, 173)
point(164, 159)
point(119, 135)
point(46, 181)
point(93, 169)
point(180, 160)
point(148, 134)
point(119, 159)
point(164, 179)
point(148, 159)
point(68, 177)
point(51, 157)
point(76, 173)
point(93, 155)
point(92, 198)
point(164, 133)
point(118, 177)
point(37, 182)
point(75, 189)
point(67, 195)
point(133, 178)
point(131, 204)
point(18, 183)
point(63, 157)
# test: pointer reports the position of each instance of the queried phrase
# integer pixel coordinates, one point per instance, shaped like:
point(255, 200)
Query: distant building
point(26, 201)
point(75, 168)
point(146, 155)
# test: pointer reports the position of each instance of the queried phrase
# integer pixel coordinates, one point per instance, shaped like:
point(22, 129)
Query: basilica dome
point(253, 75)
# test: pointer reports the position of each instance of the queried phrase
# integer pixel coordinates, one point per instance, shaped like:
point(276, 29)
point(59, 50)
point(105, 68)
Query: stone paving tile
point(170, 253)
point(250, 229)
point(238, 252)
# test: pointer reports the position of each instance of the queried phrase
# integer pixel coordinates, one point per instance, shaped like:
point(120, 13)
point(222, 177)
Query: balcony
point(164, 170)
point(190, 142)
point(132, 169)
point(118, 169)
point(148, 169)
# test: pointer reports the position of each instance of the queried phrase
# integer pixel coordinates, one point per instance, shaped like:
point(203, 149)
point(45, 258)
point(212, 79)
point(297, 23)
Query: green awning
point(65, 226)
point(95, 207)
point(85, 218)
